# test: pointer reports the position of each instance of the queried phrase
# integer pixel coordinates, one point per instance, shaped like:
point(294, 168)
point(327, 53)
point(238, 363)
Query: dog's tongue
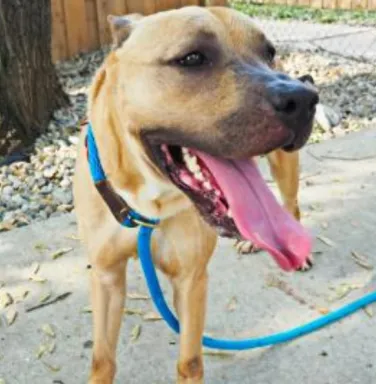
point(257, 214)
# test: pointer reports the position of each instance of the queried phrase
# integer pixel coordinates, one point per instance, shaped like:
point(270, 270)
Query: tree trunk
point(29, 87)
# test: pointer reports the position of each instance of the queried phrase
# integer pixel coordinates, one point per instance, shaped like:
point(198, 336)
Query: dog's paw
point(307, 265)
point(244, 247)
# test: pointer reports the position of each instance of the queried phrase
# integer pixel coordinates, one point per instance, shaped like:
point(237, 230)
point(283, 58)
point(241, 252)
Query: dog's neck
point(155, 199)
point(134, 178)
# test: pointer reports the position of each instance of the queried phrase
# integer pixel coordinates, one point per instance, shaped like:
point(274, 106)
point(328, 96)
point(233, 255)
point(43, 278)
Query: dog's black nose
point(293, 102)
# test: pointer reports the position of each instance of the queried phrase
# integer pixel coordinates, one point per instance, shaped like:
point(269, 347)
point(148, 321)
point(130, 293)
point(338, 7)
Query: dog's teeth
point(199, 176)
point(207, 186)
point(191, 162)
point(229, 213)
point(217, 193)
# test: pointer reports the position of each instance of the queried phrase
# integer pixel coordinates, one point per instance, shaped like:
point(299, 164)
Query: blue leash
point(143, 245)
point(144, 239)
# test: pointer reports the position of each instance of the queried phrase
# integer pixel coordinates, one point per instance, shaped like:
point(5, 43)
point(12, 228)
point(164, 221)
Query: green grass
point(283, 12)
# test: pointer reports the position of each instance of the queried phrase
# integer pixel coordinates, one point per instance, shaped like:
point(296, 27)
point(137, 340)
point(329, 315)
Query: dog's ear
point(121, 27)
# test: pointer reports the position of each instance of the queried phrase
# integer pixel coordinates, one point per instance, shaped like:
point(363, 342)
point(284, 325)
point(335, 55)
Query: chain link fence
point(340, 56)
point(346, 33)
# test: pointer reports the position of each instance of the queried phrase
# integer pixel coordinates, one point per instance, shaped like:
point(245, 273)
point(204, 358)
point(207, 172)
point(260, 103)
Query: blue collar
point(123, 213)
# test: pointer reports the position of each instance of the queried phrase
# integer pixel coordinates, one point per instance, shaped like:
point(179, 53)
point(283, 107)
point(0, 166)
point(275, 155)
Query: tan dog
point(179, 104)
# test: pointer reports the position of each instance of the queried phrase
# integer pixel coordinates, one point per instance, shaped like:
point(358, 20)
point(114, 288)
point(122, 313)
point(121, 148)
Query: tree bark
point(29, 86)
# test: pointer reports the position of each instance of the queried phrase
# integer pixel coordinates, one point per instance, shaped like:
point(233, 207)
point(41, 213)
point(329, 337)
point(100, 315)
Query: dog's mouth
point(232, 196)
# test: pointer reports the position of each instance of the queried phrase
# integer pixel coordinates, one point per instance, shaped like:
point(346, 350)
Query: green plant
point(286, 12)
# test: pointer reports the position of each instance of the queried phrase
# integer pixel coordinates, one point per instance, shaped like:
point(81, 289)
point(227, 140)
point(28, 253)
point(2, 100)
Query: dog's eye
point(193, 59)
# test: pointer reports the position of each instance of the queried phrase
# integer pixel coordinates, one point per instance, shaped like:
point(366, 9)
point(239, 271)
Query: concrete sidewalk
point(357, 42)
point(248, 296)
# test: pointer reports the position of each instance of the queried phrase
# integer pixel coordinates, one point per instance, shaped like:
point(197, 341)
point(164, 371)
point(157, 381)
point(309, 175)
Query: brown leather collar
point(122, 212)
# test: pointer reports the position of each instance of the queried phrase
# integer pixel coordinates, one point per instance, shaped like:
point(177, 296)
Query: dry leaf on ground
point(40, 247)
point(136, 332)
point(323, 311)
point(61, 252)
point(343, 290)
point(11, 316)
point(326, 240)
point(21, 294)
point(220, 354)
point(42, 349)
point(137, 296)
point(361, 260)
point(368, 311)
point(52, 368)
point(152, 316)
point(72, 237)
point(6, 299)
point(37, 279)
point(231, 306)
point(45, 297)
point(48, 330)
point(133, 311)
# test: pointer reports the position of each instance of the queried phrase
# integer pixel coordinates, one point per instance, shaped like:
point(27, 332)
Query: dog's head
point(186, 97)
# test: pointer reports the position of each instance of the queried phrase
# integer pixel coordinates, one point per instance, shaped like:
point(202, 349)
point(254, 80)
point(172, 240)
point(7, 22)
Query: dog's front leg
point(108, 296)
point(190, 304)
point(284, 167)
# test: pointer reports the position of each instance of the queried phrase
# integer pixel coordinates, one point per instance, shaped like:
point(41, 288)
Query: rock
point(321, 118)
point(14, 181)
point(34, 206)
point(7, 191)
point(49, 210)
point(17, 201)
point(47, 189)
point(62, 196)
point(42, 215)
point(65, 183)
point(326, 117)
point(9, 217)
point(30, 180)
point(49, 173)
point(73, 140)
point(65, 207)
point(333, 117)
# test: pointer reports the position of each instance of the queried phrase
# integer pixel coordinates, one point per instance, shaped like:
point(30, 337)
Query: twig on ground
point(53, 301)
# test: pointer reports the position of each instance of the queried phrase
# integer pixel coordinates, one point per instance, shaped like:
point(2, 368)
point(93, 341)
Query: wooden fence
point(81, 25)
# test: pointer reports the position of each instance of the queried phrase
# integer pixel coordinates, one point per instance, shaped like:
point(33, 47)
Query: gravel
point(347, 90)
point(42, 188)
